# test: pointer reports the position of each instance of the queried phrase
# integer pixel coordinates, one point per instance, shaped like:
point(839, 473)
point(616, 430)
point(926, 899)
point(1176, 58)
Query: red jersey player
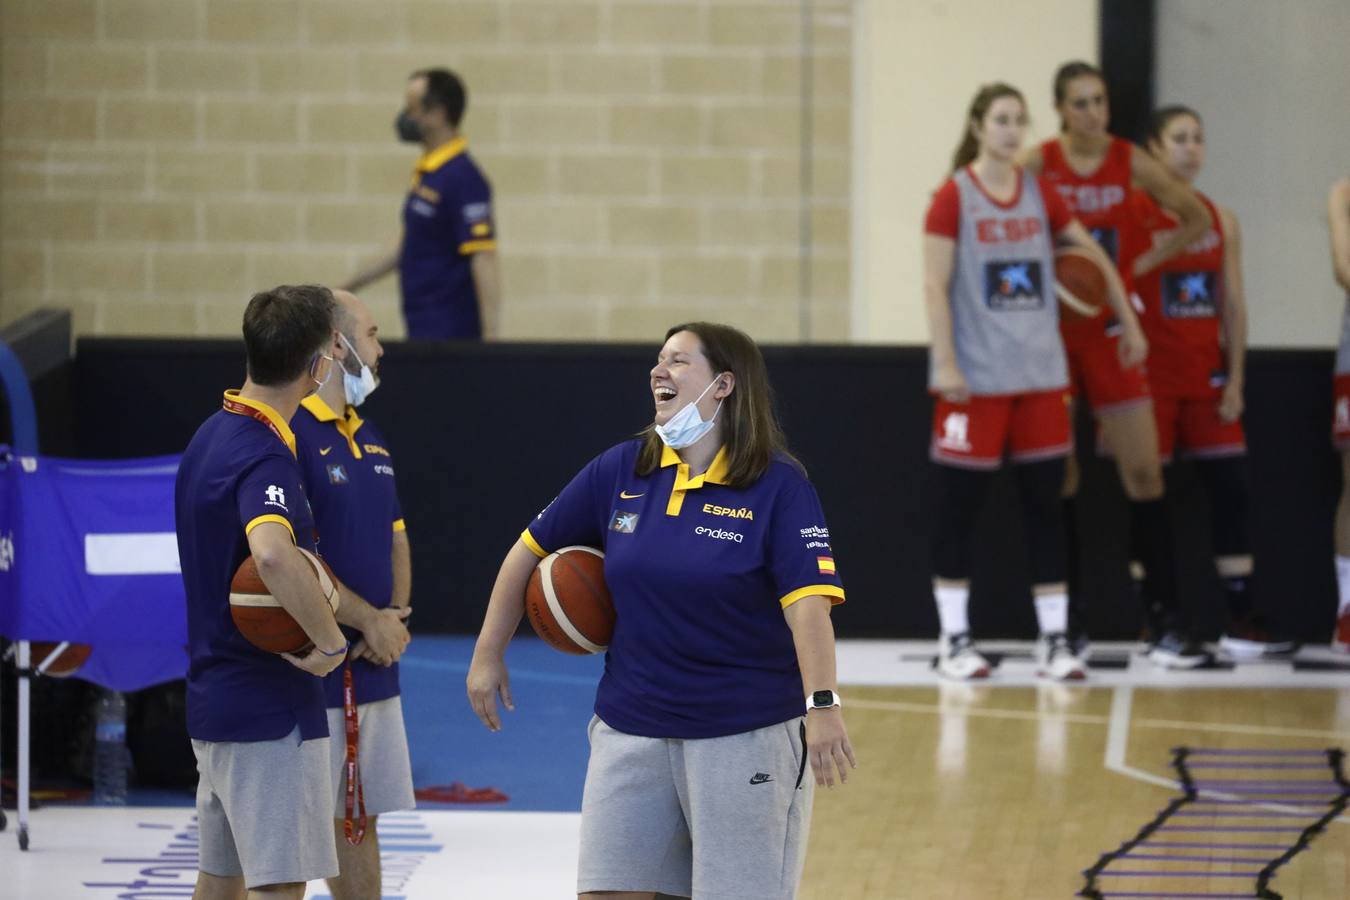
point(1195, 315)
point(1094, 171)
point(1338, 219)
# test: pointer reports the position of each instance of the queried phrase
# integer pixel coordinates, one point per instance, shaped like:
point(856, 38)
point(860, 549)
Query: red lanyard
point(356, 794)
point(243, 409)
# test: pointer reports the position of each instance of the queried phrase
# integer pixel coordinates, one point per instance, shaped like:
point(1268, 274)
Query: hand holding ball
point(262, 620)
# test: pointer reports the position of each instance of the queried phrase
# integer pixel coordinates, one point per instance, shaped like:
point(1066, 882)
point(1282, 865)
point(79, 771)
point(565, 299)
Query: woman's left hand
point(1133, 347)
point(827, 746)
point(1230, 402)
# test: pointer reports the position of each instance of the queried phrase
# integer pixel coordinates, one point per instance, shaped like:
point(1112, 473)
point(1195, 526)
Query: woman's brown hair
point(969, 146)
point(1071, 71)
point(751, 434)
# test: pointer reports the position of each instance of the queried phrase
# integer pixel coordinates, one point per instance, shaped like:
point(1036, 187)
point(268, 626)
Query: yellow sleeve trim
point(533, 544)
point(271, 517)
point(470, 247)
point(836, 594)
point(399, 525)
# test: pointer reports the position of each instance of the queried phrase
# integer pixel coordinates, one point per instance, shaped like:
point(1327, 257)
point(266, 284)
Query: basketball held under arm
point(1133, 344)
point(290, 579)
point(488, 677)
point(1174, 196)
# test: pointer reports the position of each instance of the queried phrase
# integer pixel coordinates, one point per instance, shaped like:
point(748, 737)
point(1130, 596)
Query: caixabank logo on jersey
point(1014, 285)
point(1189, 295)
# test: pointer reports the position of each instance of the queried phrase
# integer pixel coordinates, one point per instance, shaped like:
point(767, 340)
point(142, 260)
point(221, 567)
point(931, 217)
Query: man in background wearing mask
point(446, 257)
point(349, 477)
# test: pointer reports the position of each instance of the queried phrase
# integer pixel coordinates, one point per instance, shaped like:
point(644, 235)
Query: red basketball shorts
point(1340, 417)
point(1193, 425)
point(979, 433)
point(1095, 372)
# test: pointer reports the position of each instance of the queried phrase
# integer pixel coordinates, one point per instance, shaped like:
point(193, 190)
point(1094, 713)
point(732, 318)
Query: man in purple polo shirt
point(447, 255)
point(256, 719)
point(349, 478)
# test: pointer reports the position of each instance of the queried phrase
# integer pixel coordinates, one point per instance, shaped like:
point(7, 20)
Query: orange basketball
point(1079, 282)
point(260, 618)
point(60, 664)
point(568, 602)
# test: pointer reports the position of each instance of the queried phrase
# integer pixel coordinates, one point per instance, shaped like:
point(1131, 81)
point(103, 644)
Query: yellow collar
point(347, 426)
point(717, 474)
point(433, 160)
point(259, 410)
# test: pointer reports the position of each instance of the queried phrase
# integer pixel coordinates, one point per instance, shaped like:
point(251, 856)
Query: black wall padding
point(484, 435)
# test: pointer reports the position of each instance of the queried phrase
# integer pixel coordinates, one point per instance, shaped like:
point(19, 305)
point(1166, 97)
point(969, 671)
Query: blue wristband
point(345, 647)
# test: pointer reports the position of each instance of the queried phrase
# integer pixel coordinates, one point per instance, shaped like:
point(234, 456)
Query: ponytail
point(969, 146)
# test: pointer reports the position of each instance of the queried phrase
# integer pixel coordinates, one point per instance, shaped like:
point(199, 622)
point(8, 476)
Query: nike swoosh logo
point(624, 495)
point(325, 451)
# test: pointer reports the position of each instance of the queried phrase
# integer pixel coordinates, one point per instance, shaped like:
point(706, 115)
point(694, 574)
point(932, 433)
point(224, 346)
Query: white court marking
point(135, 853)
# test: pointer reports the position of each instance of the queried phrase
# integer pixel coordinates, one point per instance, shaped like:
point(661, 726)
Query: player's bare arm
point(1338, 220)
point(1234, 310)
point(1172, 195)
point(487, 671)
point(939, 256)
point(290, 578)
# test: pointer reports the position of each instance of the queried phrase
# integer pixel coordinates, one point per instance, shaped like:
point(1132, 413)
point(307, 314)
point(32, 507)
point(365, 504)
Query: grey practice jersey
point(1005, 318)
point(1343, 351)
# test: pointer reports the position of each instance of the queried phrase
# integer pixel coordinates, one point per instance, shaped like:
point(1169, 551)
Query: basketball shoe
point(1175, 649)
point(959, 660)
point(1055, 659)
point(1252, 636)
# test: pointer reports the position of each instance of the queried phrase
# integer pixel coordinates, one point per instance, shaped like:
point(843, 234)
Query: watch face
point(822, 699)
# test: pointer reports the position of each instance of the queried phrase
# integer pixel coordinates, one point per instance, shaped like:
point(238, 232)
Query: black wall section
point(1127, 53)
point(484, 436)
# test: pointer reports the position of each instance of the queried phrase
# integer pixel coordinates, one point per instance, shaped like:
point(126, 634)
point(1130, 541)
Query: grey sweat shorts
point(265, 809)
point(714, 819)
point(382, 751)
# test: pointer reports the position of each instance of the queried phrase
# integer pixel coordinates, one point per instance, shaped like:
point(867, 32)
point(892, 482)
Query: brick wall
point(162, 159)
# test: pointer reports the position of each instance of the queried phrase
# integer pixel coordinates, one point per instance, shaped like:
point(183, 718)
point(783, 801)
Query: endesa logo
point(720, 534)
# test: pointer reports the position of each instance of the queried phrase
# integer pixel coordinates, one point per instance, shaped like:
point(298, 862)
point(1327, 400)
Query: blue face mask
point(687, 427)
point(357, 387)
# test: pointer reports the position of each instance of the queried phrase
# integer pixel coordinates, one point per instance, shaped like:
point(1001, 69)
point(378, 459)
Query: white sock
point(1052, 612)
point(1343, 582)
point(951, 606)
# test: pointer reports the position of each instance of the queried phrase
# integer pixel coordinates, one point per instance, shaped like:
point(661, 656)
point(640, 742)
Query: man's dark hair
point(446, 90)
point(284, 328)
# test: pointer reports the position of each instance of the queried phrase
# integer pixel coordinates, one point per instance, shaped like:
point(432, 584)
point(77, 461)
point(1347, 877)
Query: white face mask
point(357, 387)
point(687, 426)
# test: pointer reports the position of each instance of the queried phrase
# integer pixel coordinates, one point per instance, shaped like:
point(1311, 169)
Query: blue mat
point(538, 759)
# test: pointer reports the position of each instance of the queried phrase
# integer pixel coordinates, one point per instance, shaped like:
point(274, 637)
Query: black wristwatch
point(823, 700)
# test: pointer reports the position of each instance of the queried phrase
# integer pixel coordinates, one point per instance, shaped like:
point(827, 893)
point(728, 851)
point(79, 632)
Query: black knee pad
point(1226, 483)
point(1038, 489)
point(960, 494)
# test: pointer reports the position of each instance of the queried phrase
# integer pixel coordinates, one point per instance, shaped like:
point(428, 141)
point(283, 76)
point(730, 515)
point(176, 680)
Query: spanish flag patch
point(826, 564)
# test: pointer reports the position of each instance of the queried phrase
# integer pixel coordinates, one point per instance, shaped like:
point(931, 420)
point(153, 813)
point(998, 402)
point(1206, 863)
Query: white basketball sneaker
point(1056, 659)
point(959, 660)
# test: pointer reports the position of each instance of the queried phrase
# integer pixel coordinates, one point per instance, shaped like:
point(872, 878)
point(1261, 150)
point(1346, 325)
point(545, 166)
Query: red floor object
point(458, 793)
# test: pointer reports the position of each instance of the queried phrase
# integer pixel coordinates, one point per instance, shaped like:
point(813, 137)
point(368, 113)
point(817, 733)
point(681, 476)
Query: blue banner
point(88, 554)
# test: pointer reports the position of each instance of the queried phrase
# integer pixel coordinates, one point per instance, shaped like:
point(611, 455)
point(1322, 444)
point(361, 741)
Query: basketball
point(568, 602)
point(261, 619)
point(62, 659)
point(1080, 282)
